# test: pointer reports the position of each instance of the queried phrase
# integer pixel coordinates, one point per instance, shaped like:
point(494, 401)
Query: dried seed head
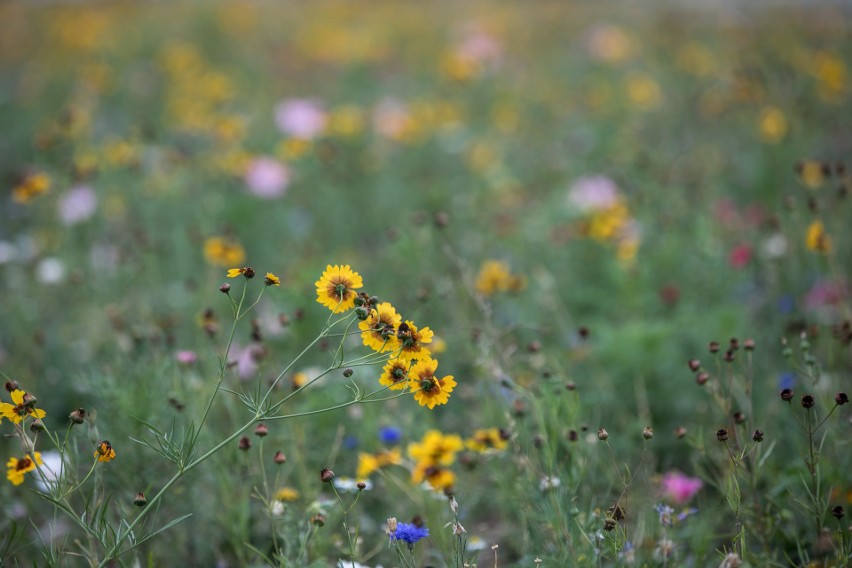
point(722, 435)
point(734, 344)
point(392, 525)
point(841, 398)
point(37, 426)
point(12, 386)
point(729, 356)
point(603, 435)
point(702, 378)
point(680, 432)
point(714, 347)
point(787, 395)
point(838, 512)
point(610, 524)
point(326, 475)
point(739, 417)
point(808, 401)
point(757, 436)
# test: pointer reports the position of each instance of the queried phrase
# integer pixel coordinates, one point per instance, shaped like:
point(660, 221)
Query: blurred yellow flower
point(772, 124)
point(33, 185)
point(816, 240)
point(436, 448)
point(347, 120)
point(484, 440)
point(336, 288)
point(643, 91)
point(234, 272)
point(369, 463)
point(696, 59)
point(221, 252)
point(438, 478)
point(18, 467)
point(831, 73)
point(286, 494)
point(494, 276)
point(811, 173)
point(272, 280)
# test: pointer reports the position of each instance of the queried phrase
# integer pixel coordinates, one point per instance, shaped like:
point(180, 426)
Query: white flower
point(50, 468)
point(548, 482)
point(50, 271)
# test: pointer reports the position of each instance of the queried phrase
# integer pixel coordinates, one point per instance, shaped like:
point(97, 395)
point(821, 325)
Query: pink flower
point(300, 118)
point(740, 256)
point(479, 46)
point(391, 119)
point(186, 357)
point(826, 293)
point(680, 488)
point(593, 193)
point(267, 178)
point(77, 204)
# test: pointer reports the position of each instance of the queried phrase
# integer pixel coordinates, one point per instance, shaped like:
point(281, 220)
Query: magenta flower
point(267, 178)
point(300, 118)
point(679, 487)
point(740, 256)
point(186, 357)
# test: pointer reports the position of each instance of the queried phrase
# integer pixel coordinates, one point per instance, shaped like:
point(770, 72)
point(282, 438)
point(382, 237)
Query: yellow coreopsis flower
point(21, 408)
point(33, 186)
point(428, 389)
point(378, 331)
point(105, 452)
point(816, 239)
point(18, 467)
point(234, 272)
point(411, 341)
point(772, 125)
point(368, 463)
point(438, 478)
point(395, 375)
point(272, 280)
point(336, 288)
point(484, 440)
point(287, 494)
point(436, 449)
point(222, 252)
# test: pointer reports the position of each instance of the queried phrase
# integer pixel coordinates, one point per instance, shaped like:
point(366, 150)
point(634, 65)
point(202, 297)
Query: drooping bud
point(647, 433)
point(78, 416)
point(225, 288)
point(279, 458)
point(807, 401)
point(603, 435)
point(787, 395)
point(841, 398)
point(326, 475)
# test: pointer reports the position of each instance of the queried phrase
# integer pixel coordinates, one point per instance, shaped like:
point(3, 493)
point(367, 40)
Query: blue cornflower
point(786, 380)
point(409, 533)
point(350, 442)
point(390, 435)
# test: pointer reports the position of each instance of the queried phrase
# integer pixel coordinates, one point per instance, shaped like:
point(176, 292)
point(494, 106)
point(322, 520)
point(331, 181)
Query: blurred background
point(584, 193)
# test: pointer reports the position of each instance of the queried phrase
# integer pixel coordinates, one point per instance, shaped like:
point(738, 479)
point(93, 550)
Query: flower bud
point(318, 520)
point(694, 365)
point(225, 288)
point(787, 395)
point(361, 486)
point(837, 512)
point(442, 219)
point(244, 444)
point(807, 401)
point(139, 500)
point(680, 432)
point(571, 386)
point(261, 430)
point(78, 416)
point(248, 272)
point(714, 347)
point(279, 458)
point(347, 372)
point(757, 436)
point(29, 400)
point(326, 475)
point(647, 433)
point(603, 435)
point(37, 426)
point(729, 356)
point(702, 378)
point(12, 386)
point(739, 417)
point(722, 435)
point(841, 398)
point(748, 344)
point(392, 523)
point(361, 313)
point(734, 344)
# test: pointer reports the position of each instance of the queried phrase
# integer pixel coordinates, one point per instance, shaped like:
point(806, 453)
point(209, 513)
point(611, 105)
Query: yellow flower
point(643, 91)
point(411, 341)
point(395, 375)
point(485, 440)
point(105, 452)
point(368, 463)
point(772, 125)
point(272, 280)
point(32, 186)
point(336, 288)
point(816, 239)
point(378, 331)
point(221, 252)
point(812, 173)
point(608, 223)
point(299, 379)
point(436, 449)
point(439, 478)
point(22, 407)
point(494, 276)
point(428, 389)
point(234, 272)
point(347, 120)
point(286, 494)
point(18, 467)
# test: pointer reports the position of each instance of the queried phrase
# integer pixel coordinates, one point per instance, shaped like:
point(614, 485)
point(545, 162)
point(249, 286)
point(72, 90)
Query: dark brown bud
point(739, 417)
point(647, 433)
point(571, 386)
point(248, 272)
point(734, 344)
point(139, 500)
point(37, 426)
point(244, 444)
point(757, 436)
point(261, 430)
point(680, 432)
point(837, 512)
point(326, 475)
point(729, 356)
point(12, 386)
point(694, 365)
point(748, 344)
point(572, 435)
point(603, 435)
point(347, 372)
point(808, 401)
point(505, 434)
point(361, 486)
point(722, 435)
point(583, 332)
point(714, 347)
point(78, 416)
point(442, 219)
point(29, 400)
point(225, 288)
point(787, 395)
point(841, 398)
point(279, 457)
point(702, 378)
point(533, 347)
point(318, 520)
point(538, 441)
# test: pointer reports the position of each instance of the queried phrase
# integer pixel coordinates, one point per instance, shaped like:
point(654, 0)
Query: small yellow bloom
point(812, 173)
point(486, 440)
point(221, 252)
point(772, 125)
point(438, 478)
point(18, 467)
point(378, 331)
point(411, 341)
point(286, 494)
point(368, 463)
point(21, 408)
point(105, 452)
point(816, 239)
point(428, 389)
point(336, 288)
point(395, 375)
point(32, 186)
point(643, 91)
point(234, 272)
point(272, 280)
point(436, 448)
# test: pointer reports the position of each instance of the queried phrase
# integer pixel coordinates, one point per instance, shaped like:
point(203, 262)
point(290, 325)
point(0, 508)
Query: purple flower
point(390, 435)
point(593, 193)
point(77, 204)
point(186, 357)
point(409, 533)
point(267, 178)
point(300, 118)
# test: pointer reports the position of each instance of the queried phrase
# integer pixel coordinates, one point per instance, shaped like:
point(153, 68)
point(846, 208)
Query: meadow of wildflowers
point(322, 284)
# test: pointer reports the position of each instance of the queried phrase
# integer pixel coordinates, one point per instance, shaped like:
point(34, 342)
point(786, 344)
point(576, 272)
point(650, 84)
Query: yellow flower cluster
point(32, 186)
point(369, 463)
point(409, 363)
point(496, 276)
point(432, 456)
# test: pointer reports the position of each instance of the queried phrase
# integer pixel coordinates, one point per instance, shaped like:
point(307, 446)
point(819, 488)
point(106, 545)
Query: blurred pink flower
point(679, 487)
point(477, 45)
point(186, 357)
point(593, 193)
point(300, 118)
point(826, 293)
point(391, 118)
point(77, 204)
point(267, 178)
point(740, 256)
